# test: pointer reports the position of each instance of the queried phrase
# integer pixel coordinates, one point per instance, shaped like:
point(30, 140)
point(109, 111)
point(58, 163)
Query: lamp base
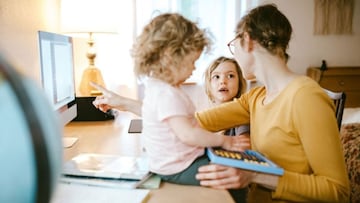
point(91, 74)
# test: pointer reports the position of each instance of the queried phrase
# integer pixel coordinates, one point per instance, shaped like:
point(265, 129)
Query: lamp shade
point(90, 16)
point(96, 16)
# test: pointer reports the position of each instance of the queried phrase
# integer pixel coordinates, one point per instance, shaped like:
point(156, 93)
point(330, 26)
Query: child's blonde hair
point(213, 66)
point(164, 43)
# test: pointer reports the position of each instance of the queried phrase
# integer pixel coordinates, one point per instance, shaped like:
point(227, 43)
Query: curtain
point(333, 17)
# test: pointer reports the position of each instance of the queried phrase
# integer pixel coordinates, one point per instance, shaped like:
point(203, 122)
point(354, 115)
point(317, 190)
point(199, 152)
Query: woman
point(292, 120)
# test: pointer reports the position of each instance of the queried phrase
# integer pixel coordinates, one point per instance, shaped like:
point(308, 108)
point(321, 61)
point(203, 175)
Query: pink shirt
point(167, 154)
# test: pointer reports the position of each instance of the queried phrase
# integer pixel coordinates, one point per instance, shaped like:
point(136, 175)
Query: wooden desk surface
point(111, 137)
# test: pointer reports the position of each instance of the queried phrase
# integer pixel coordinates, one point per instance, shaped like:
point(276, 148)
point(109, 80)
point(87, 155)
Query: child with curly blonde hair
point(165, 54)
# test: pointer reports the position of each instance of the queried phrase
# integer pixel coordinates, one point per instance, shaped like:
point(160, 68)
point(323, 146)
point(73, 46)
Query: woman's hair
point(163, 44)
point(213, 66)
point(269, 27)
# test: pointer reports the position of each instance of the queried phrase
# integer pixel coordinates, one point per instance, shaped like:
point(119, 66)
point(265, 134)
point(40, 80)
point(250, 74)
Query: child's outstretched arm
point(109, 100)
point(192, 134)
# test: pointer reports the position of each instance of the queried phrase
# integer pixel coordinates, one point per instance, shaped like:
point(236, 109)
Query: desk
point(111, 137)
point(339, 79)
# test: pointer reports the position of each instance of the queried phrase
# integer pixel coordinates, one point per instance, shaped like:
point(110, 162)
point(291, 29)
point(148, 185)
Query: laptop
point(112, 167)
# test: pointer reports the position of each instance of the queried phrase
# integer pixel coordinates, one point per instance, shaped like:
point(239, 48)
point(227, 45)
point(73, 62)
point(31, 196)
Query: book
point(105, 166)
point(153, 182)
point(248, 160)
point(100, 182)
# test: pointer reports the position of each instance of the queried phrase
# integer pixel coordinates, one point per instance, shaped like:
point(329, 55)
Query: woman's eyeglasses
point(231, 44)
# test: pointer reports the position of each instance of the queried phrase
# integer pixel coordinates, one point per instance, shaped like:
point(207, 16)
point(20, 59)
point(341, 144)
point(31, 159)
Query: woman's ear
point(248, 42)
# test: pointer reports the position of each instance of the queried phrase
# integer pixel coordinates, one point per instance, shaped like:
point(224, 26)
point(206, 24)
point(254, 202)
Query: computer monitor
point(57, 73)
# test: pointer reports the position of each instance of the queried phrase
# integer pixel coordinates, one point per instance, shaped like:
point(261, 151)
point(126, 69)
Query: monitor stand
point(69, 141)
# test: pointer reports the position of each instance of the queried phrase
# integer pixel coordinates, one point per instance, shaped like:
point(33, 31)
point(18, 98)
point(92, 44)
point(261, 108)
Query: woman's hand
point(223, 177)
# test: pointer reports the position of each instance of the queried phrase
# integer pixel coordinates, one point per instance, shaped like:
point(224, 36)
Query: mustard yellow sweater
point(297, 131)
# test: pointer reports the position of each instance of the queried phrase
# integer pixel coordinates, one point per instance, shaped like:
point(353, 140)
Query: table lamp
point(89, 16)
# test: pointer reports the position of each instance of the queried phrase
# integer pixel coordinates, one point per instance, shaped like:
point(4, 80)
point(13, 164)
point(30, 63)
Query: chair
point(339, 101)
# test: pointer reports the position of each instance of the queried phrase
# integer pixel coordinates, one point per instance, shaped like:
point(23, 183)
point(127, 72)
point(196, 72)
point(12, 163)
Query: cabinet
point(339, 79)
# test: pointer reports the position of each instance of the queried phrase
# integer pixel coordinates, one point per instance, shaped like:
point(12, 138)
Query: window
point(215, 15)
point(114, 60)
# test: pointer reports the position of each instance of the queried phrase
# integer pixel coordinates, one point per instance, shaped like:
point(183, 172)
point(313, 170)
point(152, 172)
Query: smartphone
point(135, 126)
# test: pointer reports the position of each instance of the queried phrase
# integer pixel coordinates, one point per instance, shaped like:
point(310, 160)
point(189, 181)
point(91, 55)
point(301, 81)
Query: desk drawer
point(352, 99)
point(340, 79)
point(341, 83)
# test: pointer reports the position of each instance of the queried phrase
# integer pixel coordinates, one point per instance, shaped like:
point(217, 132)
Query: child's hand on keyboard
point(236, 143)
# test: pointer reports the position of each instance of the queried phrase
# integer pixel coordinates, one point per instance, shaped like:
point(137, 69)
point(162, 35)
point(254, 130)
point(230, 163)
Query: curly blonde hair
point(213, 66)
point(161, 47)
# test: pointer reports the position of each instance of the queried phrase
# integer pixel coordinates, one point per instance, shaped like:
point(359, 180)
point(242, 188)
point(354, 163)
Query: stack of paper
point(75, 193)
point(94, 178)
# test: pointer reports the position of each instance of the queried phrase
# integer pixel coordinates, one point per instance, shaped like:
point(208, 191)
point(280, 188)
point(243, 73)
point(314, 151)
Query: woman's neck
point(274, 74)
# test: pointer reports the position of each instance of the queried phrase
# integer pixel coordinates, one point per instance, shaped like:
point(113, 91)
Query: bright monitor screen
point(57, 73)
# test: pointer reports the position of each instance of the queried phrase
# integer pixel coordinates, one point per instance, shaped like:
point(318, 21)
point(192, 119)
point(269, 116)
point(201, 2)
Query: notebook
point(107, 166)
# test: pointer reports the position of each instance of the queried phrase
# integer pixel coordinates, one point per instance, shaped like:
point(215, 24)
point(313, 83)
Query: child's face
point(224, 82)
point(187, 66)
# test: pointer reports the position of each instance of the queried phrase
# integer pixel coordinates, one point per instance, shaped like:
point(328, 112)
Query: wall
point(307, 49)
point(19, 22)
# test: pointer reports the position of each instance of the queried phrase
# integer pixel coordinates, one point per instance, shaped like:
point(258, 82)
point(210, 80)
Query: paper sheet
point(77, 193)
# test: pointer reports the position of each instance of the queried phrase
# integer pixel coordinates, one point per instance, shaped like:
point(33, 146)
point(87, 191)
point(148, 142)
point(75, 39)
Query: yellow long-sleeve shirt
point(297, 131)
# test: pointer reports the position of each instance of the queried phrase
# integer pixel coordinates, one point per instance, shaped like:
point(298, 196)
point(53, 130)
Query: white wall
point(307, 49)
point(19, 22)
point(21, 19)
